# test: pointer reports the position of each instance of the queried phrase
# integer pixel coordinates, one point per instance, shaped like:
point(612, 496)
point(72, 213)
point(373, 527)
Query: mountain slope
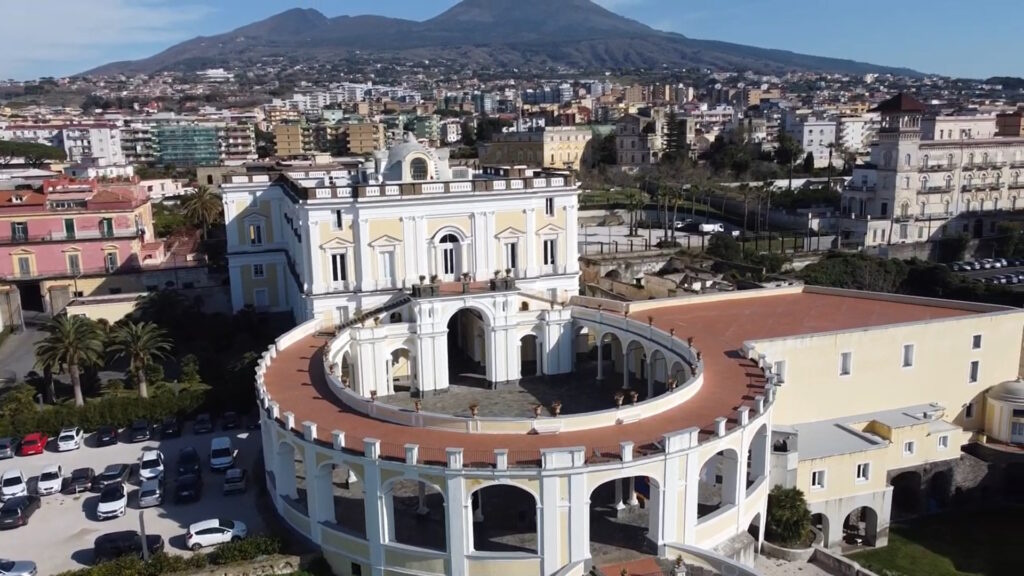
point(576, 33)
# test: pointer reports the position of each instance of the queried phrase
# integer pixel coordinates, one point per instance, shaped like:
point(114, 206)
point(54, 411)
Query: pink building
point(74, 229)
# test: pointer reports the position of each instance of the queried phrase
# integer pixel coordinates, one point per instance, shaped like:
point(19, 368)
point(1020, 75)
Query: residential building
point(186, 145)
point(559, 148)
point(915, 189)
point(639, 140)
point(817, 137)
point(451, 131)
point(237, 141)
point(293, 139)
point(958, 127)
point(427, 128)
point(85, 142)
point(362, 138)
point(137, 143)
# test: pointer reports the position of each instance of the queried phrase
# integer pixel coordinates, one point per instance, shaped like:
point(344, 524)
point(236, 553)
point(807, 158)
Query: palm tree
point(141, 343)
point(72, 343)
point(203, 207)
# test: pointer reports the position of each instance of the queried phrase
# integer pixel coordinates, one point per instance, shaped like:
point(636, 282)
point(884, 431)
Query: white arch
point(449, 229)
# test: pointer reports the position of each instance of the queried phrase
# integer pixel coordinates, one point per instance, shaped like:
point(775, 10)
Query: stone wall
point(267, 565)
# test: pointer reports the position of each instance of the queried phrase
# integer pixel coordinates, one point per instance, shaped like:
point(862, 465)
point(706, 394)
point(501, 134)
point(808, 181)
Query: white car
point(51, 480)
point(222, 453)
point(113, 502)
point(69, 439)
point(151, 465)
point(13, 484)
point(214, 531)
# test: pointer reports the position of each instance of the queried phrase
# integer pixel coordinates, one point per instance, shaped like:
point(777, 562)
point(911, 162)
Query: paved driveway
point(18, 352)
point(60, 535)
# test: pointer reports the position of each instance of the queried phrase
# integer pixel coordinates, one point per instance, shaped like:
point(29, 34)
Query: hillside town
point(382, 315)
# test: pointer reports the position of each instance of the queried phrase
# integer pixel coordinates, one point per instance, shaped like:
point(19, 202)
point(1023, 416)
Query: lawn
point(956, 544)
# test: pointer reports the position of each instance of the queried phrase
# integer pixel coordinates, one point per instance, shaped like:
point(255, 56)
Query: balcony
point(65, 237)
point(935, 189)
point(1015, 185)
point(860, 188)
point(936, 167)
point(980, 187)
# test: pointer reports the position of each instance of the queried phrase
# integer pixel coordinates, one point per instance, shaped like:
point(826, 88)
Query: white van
point(222, 453)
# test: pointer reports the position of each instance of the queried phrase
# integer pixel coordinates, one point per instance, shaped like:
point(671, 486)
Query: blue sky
point(973, 39)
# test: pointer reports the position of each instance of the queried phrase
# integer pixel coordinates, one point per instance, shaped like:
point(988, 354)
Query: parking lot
point(1010, 275)
point(60, 535)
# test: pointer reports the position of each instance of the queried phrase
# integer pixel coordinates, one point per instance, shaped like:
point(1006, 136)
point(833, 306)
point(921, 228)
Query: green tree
point(787, 153)
point(468, 132)
point(1007, 241)
point(203, 207)
point(142, 343)
point(167, 220)
point(724, 247)
point(856, 272)
point(607, 153)
point(34, 154)
point(789, 520)
point(809, 163)
point(71, 343)
point(190, 369)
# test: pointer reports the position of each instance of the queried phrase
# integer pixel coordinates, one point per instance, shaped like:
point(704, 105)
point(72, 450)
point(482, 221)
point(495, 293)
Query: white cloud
point(59, 37)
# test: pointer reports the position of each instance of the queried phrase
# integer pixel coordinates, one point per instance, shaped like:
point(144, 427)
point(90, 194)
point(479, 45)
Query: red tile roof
point(901, 102)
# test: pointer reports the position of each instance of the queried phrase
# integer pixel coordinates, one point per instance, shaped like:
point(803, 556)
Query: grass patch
point(957, 544)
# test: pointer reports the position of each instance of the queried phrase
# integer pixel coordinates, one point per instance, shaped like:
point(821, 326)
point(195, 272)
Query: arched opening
point(860, 527)
point(754, 530)
point(634, 364)
point(624, 519)
point(401, 372)
point(584, 349)
point(347, 499)
point(819, 522)
point(504, 518)
point(395, 318)
point(940, 490)
point(449, 249)
point(757, 457)
point(613, 274)
point(419, 169)
point(416, 514)
point(907, 497)
point(529, 358)
point(716, 488)
point(467, 348)
point(609, 357)
point(657, 375)
point(346, 369)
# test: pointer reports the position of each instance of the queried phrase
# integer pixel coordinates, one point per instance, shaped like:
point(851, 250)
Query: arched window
point(905, 210)
point(419, 169)
point(924, 183)
point(984, 158)
point(906, 160)
point(970, 159)
point(924, 161)
point(449, 245)
point(1016, 178)
point(949, 181)
point(906, 182)
point(995, 203)
point(923, 208)
point(949, 159)
point(945, 206)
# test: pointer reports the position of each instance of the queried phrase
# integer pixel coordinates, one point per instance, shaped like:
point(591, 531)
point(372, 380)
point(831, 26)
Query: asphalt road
point(60, 535)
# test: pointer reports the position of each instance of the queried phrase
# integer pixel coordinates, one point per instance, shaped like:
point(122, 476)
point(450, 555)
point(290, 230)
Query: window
point(975, 367)
point(255, 234)
point(779, 369)
point(386, 267)
point(106, 227)
point(110, 259)
point(904, 231)
point(339, 267)
point(908, 355)
point(969, 411)
point(258, 271)
point(908, 448)
point(943, 442)
point(24, 266)
point(845, 363)
point(338, 220)
point(74, 264)
point(549, 206)
point(69, 228)
point(550, 249)
point(976, 342)
point(818, 480)
point(418, 169)
point(863, 472)
point(19, 231)
point(511, 256)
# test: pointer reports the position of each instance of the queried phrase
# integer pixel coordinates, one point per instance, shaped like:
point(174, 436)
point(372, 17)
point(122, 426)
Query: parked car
point(235, 481)
point(189, 462)
point(51, 480)
point(1002, 262)
point(151, 465)
point(113, 474)
point(139, 431)
point(7, 447)
point(956, 266)
point(69, 439)
point(222, 453)
point(230, 421)
point(151, 493)
point(188, 488)
point(214, 531)
point(17, 567)
point(113, 502)
point(116, 544)
point(16, 511)
point(106, 436)
point(32, 444)
point(203, 424)
point(12, 485)
point(80, 480)
point(170, 428)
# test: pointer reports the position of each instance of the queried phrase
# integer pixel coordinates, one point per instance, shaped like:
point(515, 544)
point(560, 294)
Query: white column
point(421, 246)
point(669, 501)
point(412, 271)
point(314, 257)
point(529, 262)
point(459, 533)
point(631, 492)
point(579, 518)
point(618, 495)
point(492, 245)
point(364, 267)
point(691, 470)
point(600, 360)
point(650, 378)
point(625, 367)
point(549, 538)
point(376, 507)
point(316, 505)
point(480, 245)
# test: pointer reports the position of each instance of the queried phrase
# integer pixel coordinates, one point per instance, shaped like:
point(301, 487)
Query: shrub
point(244, 550)
point(789, 520)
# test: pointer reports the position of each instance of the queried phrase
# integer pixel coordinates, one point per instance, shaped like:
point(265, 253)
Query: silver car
point(7, 447)
point(17, 567)
point(151, 493)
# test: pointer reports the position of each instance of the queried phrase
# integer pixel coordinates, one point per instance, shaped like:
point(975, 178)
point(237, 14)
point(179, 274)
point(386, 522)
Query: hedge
point(163, 563)
point(117, 411)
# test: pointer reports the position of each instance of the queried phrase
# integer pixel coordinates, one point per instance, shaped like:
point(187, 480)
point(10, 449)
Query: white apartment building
point(99, 142)
point(959, 127)
point(816, 136)
point(451, 131)
point(915, 189)
point(857, 132)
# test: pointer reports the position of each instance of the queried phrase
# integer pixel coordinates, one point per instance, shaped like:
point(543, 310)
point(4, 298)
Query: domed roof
point(398, 153)
point(1011, 391)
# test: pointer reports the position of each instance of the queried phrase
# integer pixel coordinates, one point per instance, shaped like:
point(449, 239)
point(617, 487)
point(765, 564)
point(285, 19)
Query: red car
point(33, 443)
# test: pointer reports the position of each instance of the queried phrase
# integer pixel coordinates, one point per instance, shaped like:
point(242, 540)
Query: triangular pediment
point(385, 240)
point(335, 244)
point(510, 232)
point(551, 229)
point(22, 252)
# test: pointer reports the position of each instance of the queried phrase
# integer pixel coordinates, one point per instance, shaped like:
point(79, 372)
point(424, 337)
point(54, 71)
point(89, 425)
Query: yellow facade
point(245, 217)
point(268, 282)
